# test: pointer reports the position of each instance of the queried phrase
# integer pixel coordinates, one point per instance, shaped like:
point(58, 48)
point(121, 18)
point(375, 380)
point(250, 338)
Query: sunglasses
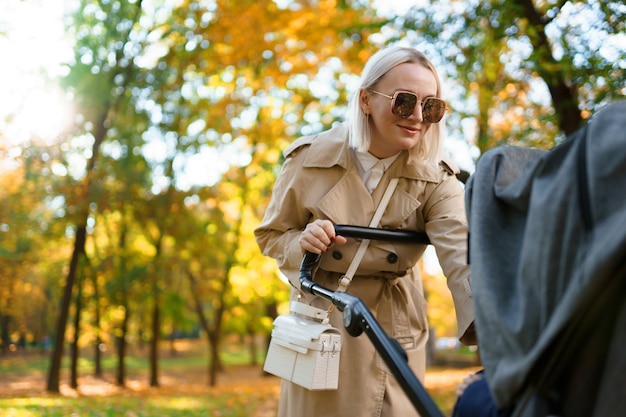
point(403, 104)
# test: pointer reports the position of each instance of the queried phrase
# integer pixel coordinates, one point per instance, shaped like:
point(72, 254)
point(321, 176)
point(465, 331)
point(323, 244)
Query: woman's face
point(389, 133)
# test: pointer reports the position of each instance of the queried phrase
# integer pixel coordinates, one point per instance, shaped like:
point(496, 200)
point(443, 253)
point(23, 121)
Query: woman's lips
point(410, 129)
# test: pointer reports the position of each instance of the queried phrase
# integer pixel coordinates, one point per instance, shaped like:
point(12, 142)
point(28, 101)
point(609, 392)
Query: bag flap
point(291, 330)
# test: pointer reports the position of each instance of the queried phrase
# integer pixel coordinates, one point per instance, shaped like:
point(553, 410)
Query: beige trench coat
point(320, 181)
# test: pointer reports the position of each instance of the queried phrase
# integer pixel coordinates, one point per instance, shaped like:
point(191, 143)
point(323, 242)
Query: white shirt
point(371, 169)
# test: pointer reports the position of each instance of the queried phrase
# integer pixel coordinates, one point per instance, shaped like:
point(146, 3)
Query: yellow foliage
point(441, 316)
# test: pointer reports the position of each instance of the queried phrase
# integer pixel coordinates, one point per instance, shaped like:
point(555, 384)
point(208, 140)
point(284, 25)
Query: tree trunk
point(156, 313)
point(564, 92)
point(97, 352)
point(252, 346)
point(5, 339)
point(74, 346)
point(121, 345)
point(120, 376)
point(204, 323)
point(215, 358)
point(154, 344)
point(79, 250)
point(59, 340)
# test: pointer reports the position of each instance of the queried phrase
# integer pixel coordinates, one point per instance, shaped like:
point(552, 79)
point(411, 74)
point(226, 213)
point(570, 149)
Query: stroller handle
point(359, 232)
point(389, 235)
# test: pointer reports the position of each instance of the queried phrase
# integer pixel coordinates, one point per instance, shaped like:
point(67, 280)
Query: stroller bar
point(358, 319)
point(402, 236)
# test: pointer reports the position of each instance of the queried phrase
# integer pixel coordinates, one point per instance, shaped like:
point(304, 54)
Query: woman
point(339, 177)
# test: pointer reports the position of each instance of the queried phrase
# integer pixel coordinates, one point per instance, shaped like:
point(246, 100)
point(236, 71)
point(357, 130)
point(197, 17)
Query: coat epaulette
point(449, 166)
point(298, 143)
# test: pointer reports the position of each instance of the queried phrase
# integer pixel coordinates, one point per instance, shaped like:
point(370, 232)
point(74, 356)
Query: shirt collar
point(367, 160)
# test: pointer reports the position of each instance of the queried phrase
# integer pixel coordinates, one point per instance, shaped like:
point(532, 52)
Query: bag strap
point(346, 279)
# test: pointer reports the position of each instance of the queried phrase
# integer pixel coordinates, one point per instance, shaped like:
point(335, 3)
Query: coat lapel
point(348, 202)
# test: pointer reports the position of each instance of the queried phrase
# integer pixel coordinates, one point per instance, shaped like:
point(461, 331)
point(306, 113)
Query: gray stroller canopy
point(548, 259)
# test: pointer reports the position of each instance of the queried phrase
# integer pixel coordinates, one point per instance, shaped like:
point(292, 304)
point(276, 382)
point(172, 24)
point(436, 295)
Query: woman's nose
point(417, 112)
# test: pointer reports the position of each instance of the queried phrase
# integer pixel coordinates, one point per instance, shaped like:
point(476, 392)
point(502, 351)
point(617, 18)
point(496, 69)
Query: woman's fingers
point(318, 236)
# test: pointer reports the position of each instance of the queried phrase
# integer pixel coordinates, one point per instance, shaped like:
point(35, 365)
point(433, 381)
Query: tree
point(508, 57)
point(99, 110)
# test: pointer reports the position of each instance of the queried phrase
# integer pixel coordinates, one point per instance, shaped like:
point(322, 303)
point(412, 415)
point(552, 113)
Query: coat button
point(337, 255)
point(392, 258)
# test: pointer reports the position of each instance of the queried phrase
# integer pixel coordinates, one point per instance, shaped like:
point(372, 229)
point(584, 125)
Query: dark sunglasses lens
point(433, 110)
point(404, 104)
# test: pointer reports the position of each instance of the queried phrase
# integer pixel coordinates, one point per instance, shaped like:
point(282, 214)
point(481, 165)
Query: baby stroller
point(548, 259)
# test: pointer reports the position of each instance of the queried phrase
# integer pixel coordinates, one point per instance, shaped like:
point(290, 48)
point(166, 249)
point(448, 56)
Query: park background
point(139, 142)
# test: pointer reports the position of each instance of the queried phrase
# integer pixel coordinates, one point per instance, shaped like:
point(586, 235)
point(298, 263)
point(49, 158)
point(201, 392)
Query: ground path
point(440, 383)
point(238, 381)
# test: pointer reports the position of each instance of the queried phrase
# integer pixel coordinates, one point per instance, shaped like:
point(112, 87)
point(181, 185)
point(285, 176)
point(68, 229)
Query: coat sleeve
point(446, 226)
point(285, 218)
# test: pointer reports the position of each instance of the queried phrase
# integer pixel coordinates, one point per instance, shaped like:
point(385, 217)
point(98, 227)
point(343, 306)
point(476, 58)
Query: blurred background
point(140, 140)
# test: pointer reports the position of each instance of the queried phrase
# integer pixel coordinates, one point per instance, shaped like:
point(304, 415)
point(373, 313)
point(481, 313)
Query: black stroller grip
point(360, 232)
point(389, 235)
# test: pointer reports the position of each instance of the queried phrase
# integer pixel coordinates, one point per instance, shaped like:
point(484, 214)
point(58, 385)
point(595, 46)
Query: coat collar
point(331, 148)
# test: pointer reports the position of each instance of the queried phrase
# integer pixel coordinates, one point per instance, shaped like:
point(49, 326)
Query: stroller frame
point(357, 318)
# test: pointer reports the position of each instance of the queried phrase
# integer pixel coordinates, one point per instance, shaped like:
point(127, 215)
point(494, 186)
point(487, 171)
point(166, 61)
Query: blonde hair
point(376, 67)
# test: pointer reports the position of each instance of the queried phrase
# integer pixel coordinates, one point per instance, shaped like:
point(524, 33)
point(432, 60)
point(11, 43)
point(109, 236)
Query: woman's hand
point(319, 236)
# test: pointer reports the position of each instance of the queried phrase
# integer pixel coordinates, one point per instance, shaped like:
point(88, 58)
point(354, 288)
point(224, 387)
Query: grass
point(242, 390)
point(116, 406)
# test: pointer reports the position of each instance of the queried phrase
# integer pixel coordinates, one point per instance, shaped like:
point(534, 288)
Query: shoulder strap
point(346, 279)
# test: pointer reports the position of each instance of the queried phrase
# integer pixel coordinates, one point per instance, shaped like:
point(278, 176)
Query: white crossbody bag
point(304, 348)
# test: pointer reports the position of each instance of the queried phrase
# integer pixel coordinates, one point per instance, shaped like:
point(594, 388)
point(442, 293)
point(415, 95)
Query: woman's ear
point(364, 101)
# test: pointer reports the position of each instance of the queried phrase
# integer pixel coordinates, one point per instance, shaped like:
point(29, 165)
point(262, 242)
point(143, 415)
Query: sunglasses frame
point(421, 103)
